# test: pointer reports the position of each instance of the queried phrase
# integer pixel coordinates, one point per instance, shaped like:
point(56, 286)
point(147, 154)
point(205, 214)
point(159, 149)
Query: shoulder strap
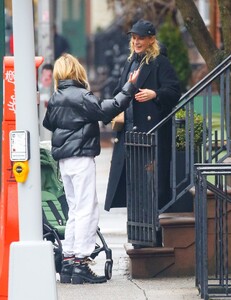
point(55, 212)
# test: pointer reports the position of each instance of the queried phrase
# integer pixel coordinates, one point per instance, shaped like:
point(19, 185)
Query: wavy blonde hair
point(152, 51)
point(68, 67)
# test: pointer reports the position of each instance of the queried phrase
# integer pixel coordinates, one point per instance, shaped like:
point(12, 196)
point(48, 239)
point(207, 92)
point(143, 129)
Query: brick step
point(177, 229)
point(149, 262)
point(175, 258)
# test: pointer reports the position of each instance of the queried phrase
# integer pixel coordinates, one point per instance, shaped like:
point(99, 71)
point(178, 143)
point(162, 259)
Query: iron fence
point(213, 217)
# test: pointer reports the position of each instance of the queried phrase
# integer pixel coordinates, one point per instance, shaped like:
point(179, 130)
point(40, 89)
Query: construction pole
point(31, 255)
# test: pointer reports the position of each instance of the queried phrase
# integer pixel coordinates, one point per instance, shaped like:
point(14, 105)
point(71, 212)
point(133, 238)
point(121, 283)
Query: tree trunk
point(225, 15)
point(199, 32)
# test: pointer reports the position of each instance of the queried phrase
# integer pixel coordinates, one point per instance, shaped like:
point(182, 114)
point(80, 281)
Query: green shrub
point(171, 37)
point(180, 133)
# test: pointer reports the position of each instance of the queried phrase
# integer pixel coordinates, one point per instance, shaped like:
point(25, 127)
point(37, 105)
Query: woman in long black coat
point(159, 92)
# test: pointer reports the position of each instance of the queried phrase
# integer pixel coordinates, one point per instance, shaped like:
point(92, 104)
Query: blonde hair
point(68, 67)
point(151, 52)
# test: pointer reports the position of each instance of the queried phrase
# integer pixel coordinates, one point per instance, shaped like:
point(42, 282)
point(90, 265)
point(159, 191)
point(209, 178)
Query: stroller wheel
point(108, 269)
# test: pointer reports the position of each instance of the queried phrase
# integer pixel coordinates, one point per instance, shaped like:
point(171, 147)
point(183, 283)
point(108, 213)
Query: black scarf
point(138, 57)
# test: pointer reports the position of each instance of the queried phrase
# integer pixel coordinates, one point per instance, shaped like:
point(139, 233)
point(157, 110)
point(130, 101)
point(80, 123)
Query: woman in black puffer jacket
point(72, 115)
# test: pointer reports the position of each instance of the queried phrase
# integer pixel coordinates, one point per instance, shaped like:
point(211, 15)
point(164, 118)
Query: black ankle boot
point(82, 273)
point(66, 271)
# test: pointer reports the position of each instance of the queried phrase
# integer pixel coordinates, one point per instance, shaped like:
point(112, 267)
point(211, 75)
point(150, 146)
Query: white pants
point(79, 181)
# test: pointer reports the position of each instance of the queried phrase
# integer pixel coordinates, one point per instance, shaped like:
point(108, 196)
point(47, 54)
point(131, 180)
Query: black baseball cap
point(143, 28)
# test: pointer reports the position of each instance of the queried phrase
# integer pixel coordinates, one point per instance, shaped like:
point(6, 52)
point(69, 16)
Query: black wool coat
point(159, 76)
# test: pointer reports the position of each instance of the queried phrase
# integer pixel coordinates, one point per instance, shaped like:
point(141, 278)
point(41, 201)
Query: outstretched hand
point(133, 76)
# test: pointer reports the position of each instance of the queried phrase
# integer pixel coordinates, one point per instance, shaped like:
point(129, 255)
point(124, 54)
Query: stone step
point(175, 258)
point(149, 262)
point(178, 229)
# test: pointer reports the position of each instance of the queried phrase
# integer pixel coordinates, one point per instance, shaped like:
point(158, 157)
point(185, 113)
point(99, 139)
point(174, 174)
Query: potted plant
point(180, 131)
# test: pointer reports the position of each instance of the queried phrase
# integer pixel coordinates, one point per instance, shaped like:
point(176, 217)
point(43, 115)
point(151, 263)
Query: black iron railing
point(213, 217)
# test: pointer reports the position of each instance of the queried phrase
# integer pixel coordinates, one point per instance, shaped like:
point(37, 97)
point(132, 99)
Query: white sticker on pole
point(19, 145)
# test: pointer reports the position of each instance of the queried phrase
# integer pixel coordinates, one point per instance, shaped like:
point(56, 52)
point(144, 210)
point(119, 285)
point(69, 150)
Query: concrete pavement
point(124, 288)
point(121, 286)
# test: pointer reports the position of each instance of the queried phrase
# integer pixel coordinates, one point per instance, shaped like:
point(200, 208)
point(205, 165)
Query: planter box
point(185, 203)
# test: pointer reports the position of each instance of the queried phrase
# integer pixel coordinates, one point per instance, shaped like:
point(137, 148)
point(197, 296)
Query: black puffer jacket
point(73, 114)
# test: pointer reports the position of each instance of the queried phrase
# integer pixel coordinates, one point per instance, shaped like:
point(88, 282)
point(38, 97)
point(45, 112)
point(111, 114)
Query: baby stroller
point(55, 213)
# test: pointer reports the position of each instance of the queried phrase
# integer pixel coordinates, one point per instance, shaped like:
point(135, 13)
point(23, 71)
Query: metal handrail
point(195, 90)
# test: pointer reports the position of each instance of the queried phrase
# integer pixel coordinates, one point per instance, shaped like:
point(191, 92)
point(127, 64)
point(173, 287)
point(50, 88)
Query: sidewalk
point(121, 286)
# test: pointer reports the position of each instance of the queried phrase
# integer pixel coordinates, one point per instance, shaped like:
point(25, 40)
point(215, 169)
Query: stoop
point(175, 258)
